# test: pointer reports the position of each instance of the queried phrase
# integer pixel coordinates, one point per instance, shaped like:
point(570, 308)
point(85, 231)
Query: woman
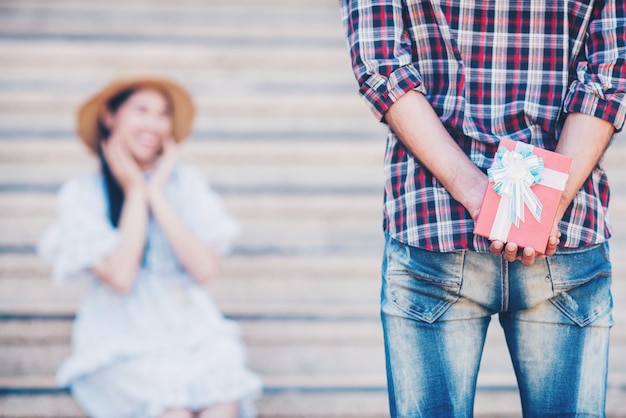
point(146, 234)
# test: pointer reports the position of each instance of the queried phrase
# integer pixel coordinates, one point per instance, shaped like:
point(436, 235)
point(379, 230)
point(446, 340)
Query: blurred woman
point(146, 234)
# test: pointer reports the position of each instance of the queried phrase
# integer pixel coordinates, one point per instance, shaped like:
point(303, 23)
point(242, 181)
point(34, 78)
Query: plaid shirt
point(491, 69)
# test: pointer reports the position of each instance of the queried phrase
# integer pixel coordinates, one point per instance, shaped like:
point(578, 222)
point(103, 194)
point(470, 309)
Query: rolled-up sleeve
point(600, 84)
point(381, 52)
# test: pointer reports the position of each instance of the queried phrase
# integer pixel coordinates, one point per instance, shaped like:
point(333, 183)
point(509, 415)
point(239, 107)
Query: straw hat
point(183, 109)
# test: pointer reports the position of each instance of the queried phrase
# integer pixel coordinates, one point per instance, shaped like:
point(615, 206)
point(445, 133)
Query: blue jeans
point(556, 316)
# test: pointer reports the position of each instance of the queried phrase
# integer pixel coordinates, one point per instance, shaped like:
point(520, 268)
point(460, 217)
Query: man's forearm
point(584, 138)
point(414, 121)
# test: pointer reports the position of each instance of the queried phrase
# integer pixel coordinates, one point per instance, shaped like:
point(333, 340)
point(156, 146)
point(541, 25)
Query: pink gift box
point(496, 219)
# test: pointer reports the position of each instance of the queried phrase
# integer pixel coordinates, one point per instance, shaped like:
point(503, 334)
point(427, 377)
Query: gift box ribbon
point(514, 173)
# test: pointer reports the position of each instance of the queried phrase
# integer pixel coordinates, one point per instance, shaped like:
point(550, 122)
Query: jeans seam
point(504, 306)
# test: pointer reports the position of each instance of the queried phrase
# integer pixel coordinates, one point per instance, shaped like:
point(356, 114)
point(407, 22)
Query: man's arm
point(584, 138)
point(414, 121)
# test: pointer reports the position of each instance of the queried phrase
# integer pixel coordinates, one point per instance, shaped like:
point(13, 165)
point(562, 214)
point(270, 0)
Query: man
point(451, 78)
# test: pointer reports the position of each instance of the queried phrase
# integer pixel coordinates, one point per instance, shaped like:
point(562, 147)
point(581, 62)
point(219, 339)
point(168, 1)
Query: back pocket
point(423, 284)
point(581, 281)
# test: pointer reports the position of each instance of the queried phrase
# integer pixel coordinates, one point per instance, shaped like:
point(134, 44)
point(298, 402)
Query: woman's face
point(143, 122)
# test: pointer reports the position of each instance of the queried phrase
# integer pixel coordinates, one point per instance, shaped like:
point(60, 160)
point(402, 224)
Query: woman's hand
point(164, 169)
point(123, 165)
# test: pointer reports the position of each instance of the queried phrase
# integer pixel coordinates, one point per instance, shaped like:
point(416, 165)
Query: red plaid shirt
point(491, 69)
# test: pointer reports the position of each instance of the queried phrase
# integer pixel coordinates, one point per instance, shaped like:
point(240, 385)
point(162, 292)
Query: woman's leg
point(177, 413)
point(223, 410)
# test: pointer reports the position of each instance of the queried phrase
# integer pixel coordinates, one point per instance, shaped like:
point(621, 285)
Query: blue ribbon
point(513, 174)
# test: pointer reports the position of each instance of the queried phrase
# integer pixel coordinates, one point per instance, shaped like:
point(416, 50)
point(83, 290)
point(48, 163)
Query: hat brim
point(88, 117)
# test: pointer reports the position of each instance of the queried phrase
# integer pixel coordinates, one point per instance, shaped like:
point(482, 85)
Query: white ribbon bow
point(513, 174)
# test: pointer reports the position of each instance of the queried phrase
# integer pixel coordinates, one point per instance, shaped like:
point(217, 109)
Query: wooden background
point(283, 136)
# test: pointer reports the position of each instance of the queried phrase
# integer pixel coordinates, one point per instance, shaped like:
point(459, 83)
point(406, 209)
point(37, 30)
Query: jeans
point(556, 317)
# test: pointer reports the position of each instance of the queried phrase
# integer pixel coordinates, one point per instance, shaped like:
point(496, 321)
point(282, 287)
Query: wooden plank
point(38, 98)
point(249, 311)
point(166, 5)
point(274, 236)
point(228, 178)
point(305, 358)
point(200, 80)
point(367, 404)
point(39, 406)
point(39, 205)
point(256, 290)
point(328, 152)
point(271, 383)
point(269, 331)
point(339, 267)
point(233, 26)
point(215, 111)
point(168, 57)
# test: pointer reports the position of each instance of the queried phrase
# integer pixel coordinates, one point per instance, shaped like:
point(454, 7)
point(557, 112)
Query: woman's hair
point(114, 192)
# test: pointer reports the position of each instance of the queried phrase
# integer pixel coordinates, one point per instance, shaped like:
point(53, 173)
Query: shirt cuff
point(381, 92)
point(591, 99)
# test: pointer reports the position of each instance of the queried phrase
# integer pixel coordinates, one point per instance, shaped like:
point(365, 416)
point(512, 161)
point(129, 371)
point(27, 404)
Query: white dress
point(164, 344)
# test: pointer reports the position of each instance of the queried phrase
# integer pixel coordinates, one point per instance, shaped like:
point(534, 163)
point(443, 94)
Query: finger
point(169, 149)
point(510, 251)
point(122, 164)
point(553, 243)
point(496, 247)
point(528, 256)
point(169, 153)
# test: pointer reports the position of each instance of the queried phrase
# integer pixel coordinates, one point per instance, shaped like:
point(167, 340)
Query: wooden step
point(259, 289)
point(329, 151)
point(232, 23)
point(283, 135)
point(58, 55)
point(165, 5)
point(42, 205)
point(367, 404)
point(288, 331)
point(308, 358)
point(247, 82)
point(66, 310)
point(262, 176)
point(287, 344)
point(327, 266)
point(346, 106)
point(302, 233)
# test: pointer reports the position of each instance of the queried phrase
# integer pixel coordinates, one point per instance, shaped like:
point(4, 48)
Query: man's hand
point(512, 252)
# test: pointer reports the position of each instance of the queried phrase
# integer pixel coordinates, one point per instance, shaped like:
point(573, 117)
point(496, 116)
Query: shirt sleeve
point(600, 84)
point(205, 213)
point(381, 52)
point(81, 235)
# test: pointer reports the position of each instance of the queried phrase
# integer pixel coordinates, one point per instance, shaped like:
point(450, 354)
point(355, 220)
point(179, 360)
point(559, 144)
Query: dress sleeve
point(81, 235)
point(381, 52)
point(600, 84)
point(203, 211)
